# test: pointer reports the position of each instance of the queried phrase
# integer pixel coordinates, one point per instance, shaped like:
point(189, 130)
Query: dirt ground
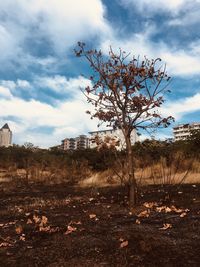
point(62, 225)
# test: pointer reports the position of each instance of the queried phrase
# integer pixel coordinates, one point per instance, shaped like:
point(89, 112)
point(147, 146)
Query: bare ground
point(94, 227)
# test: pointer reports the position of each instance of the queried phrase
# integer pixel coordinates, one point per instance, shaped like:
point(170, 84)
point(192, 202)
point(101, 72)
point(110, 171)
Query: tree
point(126, 94)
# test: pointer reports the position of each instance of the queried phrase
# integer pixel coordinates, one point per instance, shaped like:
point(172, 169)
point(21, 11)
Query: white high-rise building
point(183, 131)
point(5, 136)
point(80, 142)
point(116, 135)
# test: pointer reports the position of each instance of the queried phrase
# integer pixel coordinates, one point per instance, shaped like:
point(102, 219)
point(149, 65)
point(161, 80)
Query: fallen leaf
point(19, 229)
point(137, 221)
point(5, 244)
point(124, 244)
point(11, 223)
point(159, 209)
point(92, 216)
point(183, 214)
point(167, 209)
point(54, 230)
point(176, 210)
point(20, 209)
point(77, 223)
point(70, 229)
point(29, 221)
point(22, 238)
point(44, 221)
point(44, 229)
point(36, 219)
point(144, 213)
point(166, 226)
point(150, 205)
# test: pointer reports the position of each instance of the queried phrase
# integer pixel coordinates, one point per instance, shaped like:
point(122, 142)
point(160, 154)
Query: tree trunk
point(131, 174)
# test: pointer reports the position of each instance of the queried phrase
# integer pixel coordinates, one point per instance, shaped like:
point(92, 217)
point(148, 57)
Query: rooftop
point(5, 127)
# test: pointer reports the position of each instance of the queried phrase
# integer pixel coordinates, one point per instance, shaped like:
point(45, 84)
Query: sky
point(40, 76)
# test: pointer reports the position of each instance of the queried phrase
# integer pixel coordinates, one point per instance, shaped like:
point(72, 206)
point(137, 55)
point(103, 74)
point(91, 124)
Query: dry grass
point(154, 174)
point(185, 171)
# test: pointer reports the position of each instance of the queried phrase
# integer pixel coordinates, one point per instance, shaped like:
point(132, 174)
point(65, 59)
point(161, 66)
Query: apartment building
point(112, 134)
point(5, 136)
point(182, 131)
point(80, 142)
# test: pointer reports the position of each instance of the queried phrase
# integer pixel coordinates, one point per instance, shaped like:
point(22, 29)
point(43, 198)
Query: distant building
point(113, 134)
point(5, 136)
point(80, 142)
point(182, 131)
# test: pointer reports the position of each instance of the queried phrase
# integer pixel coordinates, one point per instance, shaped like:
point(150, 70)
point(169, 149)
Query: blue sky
point(40, 76)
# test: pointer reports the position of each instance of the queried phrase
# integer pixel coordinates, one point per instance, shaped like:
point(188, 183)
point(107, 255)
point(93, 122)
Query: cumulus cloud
point(179, 108)
point(61, 84)
point(27, 25)
point(69, 118)
point(66, 118)
point(65, 88)
point(179, 61)
point(5, 92)
point(157, 6)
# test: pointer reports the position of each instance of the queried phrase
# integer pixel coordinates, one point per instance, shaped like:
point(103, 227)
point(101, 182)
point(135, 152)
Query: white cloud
point(61, 84)
point(60, 23)
point(179, 108)
point(156, 6)
point(67, 87)
point(5, 92)
point(180, 62)
point(67, 118)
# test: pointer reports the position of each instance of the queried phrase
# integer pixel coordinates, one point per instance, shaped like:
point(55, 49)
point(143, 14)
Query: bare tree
point(126, 94)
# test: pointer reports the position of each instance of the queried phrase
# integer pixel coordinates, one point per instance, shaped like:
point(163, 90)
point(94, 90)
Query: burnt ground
point(87, 227)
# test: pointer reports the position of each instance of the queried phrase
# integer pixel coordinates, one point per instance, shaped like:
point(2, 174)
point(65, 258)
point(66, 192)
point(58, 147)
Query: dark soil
point(90, 227)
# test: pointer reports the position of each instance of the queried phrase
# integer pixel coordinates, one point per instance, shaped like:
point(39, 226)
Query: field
point(63, 225)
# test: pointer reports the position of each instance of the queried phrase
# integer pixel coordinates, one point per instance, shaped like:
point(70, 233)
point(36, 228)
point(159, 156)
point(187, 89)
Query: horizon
point(40, 81)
